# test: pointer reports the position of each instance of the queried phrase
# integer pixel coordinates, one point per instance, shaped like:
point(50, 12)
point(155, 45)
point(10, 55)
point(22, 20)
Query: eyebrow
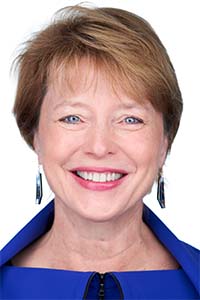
point(130, 105)
point(71, 104)
point(127, 105)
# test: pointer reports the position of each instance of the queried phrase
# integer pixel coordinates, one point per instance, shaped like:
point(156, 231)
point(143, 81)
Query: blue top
point(43, 283)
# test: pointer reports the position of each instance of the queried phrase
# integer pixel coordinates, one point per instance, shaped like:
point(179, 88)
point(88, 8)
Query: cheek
point(144, 147)
point(56, 144)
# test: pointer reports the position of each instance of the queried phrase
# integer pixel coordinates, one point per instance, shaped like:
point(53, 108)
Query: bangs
point(78, 73)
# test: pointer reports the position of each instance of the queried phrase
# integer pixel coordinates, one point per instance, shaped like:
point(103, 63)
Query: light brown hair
point(122, 43)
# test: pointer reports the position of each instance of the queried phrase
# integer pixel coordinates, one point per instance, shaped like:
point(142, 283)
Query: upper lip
point(99, 170)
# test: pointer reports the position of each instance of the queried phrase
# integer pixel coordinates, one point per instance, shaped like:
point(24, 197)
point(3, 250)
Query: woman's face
point(100, 150)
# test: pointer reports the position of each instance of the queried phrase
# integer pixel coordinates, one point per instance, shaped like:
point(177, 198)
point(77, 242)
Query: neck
point(124, 243)
point(82, 244)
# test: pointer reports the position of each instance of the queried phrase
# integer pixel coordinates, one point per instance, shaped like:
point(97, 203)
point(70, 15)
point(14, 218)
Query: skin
point(106, 228)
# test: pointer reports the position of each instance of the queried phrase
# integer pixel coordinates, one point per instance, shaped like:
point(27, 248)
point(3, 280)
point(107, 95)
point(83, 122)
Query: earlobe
point(36, 145)
point(164, 151)
point(36, 142)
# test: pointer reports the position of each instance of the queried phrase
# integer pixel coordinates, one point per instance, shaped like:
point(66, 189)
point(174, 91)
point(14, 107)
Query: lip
point(98, 186)
point(99, 170)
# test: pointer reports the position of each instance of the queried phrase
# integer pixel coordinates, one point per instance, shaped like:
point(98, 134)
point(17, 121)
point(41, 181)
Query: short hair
point(120, 42)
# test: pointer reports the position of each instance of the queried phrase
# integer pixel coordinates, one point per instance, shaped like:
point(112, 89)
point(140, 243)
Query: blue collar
point(187, 256)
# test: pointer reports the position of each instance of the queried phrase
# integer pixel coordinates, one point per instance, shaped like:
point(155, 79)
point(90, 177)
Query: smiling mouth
point(101, 177)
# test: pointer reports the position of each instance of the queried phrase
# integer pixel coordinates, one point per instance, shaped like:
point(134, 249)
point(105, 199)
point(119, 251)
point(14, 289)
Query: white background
point(178, 25)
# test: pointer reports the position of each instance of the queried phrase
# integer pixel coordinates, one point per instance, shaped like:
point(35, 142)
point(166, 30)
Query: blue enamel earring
point(39, 193)
point(161, 191)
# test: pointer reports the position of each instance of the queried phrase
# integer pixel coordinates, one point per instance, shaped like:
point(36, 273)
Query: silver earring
point(161, 191)
point(39, 193)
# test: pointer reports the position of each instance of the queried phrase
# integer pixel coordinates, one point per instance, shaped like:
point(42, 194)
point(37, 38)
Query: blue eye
point(132, 120)
point(72, 119)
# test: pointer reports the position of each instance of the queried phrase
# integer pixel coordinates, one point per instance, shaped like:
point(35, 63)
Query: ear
point(164, 149)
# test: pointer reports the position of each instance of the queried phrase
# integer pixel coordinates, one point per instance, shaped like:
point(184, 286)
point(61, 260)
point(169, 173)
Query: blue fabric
point(35, 283)
point(40, 283)
point(166, 284)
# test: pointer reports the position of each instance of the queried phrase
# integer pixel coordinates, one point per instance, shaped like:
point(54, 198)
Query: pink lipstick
point(98, 178)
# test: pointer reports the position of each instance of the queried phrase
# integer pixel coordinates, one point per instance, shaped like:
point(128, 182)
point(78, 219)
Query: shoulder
point(186, 255)
point(194, 252)
point(34, 229)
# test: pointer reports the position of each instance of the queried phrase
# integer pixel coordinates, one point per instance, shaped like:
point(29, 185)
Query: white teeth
point(86, 175)
point(99, 177)
point(102, 177)
point(90, 176)
point(109, 176)
point(113, 176)
point(117, 176)
point(96, 177)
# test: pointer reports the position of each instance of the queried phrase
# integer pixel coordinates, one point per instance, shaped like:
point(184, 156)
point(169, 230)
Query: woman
point(98, 101)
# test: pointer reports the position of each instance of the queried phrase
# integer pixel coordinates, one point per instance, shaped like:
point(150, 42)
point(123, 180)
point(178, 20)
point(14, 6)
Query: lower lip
point(98, 186)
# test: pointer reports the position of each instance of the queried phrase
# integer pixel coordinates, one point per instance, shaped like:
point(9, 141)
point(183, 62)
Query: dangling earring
point(161, 191)
point(38, 186)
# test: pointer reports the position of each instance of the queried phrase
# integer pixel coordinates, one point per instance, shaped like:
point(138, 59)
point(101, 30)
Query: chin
point(100, 217)
point(101, 211)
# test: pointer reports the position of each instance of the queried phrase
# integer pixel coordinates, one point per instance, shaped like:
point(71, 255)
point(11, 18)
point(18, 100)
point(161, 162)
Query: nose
point(99, 142)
